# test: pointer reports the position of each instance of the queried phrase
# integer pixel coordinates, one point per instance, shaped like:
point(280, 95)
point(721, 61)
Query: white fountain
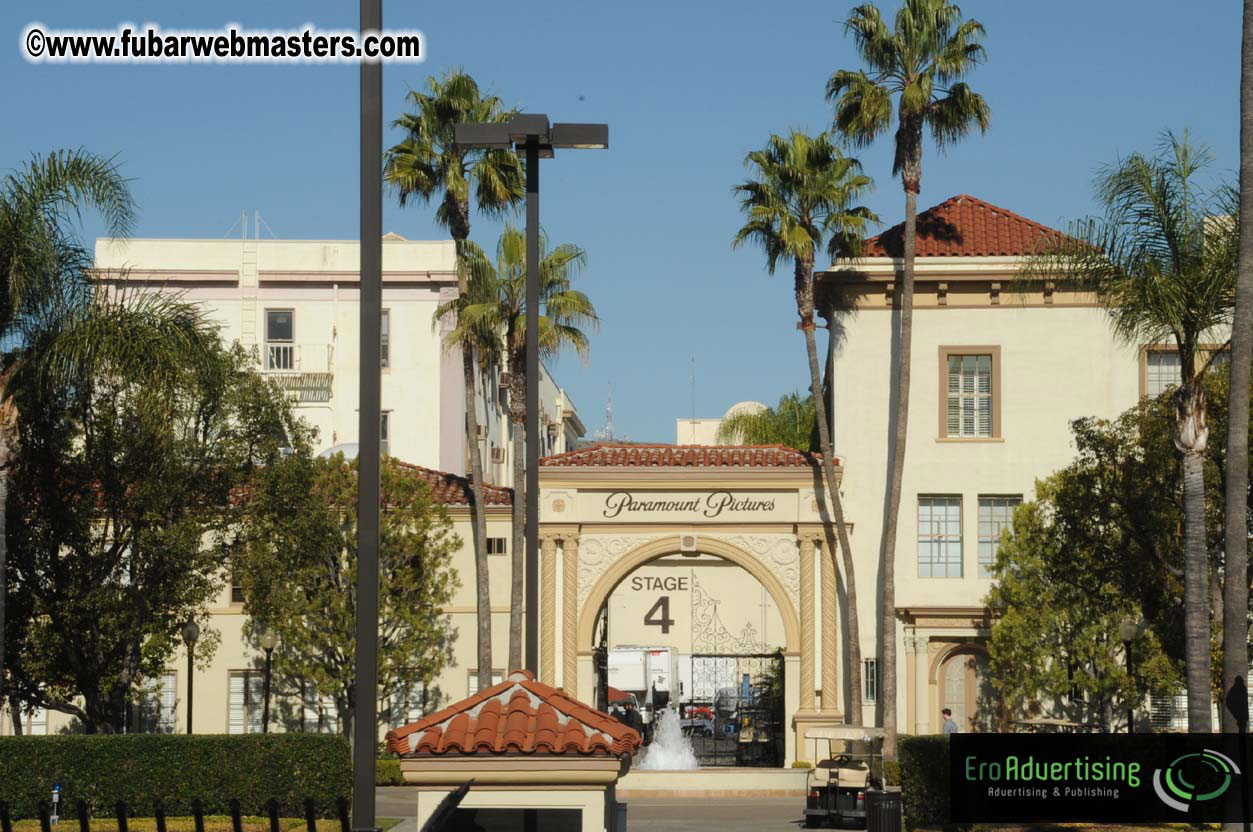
point(670, 750)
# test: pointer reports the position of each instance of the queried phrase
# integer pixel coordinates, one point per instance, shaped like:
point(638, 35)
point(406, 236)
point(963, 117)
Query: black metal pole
point(532, 404)
point(265, 694)
point(190, 681)
point(364, 732)
point(1126, 646)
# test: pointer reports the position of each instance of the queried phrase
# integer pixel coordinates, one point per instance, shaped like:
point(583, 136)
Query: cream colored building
point(736, 540)
point(296, 303)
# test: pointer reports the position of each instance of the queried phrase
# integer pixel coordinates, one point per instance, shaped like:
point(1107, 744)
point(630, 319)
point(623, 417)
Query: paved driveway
point(725, 814)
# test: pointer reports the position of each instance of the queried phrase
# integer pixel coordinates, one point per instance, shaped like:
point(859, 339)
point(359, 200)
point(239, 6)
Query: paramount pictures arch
point(601, 523)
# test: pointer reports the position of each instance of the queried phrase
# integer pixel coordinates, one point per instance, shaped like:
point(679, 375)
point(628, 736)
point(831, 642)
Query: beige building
point(717, 556)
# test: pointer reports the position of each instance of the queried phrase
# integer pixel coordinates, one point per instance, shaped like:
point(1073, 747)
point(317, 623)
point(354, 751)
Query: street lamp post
point(268, 640)
point(1128, 629)
point(191, 632)
point(531, 135)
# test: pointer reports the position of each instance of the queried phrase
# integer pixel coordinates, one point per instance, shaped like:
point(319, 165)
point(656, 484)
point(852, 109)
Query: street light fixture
point(531, 136)
point(268, 640)
point(191, 632)
point(1128, 629)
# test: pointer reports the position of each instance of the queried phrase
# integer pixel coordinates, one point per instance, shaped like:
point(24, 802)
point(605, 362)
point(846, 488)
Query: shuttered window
point(497, 677)
point(319, 714)
point(996, 514)
point(246, 693)
point(969, 404)
point(939, 537)
point(407, 705)
point(158, 705)
point(1162, 371)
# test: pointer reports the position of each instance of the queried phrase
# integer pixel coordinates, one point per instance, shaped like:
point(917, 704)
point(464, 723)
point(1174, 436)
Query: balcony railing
point(297, 358)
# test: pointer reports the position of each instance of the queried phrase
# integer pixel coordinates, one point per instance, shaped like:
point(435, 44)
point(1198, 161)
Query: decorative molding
point(806, 554)
point(570, 613)
point(830, 688)
point(548, 610)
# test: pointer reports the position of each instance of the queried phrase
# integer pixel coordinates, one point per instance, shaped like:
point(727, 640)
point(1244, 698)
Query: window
point(498, 676)
point(971, 380)
point(237, 589)
point(870, 680)
point(37, 722)
point(318, 713)
point(497, 546)
point(384, 432)
point(246, 702)
point(939, 537)
point(1168, 712)
point(280, 352)
point(157, 706)
point(995, 515)
point(408, 704)
point(384, 337)
point(1162, 371)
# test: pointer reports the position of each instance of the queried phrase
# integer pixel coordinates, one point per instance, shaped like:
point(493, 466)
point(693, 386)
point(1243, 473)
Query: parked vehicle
point(835, 790)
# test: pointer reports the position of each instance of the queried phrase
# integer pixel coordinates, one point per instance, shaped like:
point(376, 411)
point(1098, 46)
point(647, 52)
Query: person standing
point(950, 727)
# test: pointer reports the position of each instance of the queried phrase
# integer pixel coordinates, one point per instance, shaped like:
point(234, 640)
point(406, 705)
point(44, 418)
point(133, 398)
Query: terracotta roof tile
point(964, 227)
point(451, 489)
point(519, 715)
point(683, 456)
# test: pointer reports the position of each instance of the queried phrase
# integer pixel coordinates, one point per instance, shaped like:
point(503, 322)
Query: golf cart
point(836, 787)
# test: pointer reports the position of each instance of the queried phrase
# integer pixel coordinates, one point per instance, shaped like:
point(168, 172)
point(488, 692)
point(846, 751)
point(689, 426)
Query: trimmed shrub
point(802, 764)
point(387, 772)
point(891, 773)
point(176, 768)
point(924, 780)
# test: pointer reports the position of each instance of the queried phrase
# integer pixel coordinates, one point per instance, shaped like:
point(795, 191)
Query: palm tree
point(56, 323)
point(920, 60)
point(1164, 268)
point(1236, 533)
point(36, 251)
point(791, 423)
point(429, 164)
point(501, 309)
point(803, 194)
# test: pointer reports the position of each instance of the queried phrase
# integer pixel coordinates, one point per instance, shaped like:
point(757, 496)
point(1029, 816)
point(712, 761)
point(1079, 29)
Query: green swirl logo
point(1194, 778)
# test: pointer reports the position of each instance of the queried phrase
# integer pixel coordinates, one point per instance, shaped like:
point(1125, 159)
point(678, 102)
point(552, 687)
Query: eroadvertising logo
point(1152, 778)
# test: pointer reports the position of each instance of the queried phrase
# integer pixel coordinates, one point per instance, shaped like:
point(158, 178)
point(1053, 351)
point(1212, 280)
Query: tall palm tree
point(428, 165)
point(791, 422)
point(920, 60)
point(500, 308)
point(802, 195)
point(1236, 533)
point(1164, 268)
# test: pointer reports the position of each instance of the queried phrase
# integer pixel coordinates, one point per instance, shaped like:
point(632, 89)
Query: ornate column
point(570, 614)
point(922, 685)
point(807, 624)
point(548, 609)
point(830, 689)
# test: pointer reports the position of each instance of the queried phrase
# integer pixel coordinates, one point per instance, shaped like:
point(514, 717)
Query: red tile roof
point(683, 456)
point(451, 489)
point(964, 227)
point(519, 715)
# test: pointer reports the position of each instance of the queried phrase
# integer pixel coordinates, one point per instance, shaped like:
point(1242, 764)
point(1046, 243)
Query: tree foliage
point(1103, 540)
point(121, 501)
point(297, 564)
point(791, 422)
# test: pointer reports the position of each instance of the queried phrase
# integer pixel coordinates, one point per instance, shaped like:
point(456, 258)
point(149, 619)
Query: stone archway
point(955, 676)
point(628, 562)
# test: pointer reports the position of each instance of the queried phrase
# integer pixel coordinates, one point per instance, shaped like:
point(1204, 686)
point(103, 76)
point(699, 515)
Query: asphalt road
point(657, 815)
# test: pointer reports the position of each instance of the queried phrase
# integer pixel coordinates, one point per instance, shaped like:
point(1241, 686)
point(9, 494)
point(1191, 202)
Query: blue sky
point(687, 88)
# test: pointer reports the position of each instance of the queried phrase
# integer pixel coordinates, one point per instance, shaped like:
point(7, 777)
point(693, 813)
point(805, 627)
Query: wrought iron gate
point(735, 714)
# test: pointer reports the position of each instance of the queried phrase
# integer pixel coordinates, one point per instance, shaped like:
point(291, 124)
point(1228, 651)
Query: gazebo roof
point(519, 716)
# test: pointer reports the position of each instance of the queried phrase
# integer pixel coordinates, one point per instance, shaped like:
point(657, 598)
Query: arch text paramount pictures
point(711, 505)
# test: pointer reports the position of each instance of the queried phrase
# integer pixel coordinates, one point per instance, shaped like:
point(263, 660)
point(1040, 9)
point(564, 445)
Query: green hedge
point(387, 772)
point(924, 780)
point(176, 768)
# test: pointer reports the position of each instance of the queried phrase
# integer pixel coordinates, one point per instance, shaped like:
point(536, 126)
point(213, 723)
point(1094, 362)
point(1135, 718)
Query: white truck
point(648, 670)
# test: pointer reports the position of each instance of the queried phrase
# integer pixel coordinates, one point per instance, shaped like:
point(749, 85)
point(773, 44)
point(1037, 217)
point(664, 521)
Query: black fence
point(123, 813)
point(735, 716)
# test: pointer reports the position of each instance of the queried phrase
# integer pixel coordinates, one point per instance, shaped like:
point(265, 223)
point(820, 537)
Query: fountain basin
point(713, 782)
